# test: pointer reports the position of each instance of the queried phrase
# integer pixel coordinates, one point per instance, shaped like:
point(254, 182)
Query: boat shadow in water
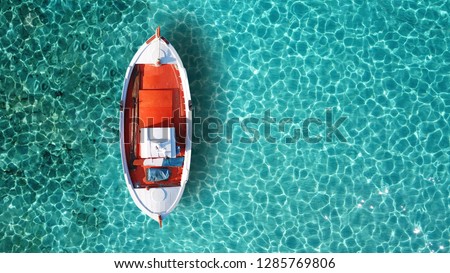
point(204, 72)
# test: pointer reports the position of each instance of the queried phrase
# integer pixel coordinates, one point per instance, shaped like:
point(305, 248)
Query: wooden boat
point(156, 128)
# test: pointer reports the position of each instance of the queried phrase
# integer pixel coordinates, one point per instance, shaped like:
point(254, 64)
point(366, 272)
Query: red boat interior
point(154, 99)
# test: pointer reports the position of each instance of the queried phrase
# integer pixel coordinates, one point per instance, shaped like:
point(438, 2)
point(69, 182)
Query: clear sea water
point(385, 65)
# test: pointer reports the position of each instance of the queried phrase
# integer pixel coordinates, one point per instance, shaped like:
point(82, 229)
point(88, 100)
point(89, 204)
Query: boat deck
point(154, 100)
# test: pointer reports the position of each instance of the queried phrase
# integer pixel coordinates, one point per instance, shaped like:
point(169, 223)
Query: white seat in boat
point(157, 142)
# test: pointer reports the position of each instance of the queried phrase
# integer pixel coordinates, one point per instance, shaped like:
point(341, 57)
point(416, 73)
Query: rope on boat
point(158, 36)
point(160, 221)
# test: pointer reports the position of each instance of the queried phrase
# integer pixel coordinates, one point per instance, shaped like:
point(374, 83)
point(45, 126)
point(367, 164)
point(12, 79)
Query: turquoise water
point(384, 65)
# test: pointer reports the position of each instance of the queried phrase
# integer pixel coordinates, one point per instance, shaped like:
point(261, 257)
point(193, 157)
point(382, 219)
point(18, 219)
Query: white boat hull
point(156, 202)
